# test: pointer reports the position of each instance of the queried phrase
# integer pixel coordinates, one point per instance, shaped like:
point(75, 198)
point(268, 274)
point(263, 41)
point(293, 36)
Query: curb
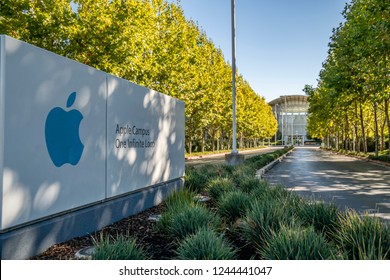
point(260, 173)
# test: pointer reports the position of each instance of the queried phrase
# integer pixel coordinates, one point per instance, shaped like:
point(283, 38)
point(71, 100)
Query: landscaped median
point(246, 218)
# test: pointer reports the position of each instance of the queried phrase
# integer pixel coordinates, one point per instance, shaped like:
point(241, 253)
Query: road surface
point(349, 182)
point(220, 158)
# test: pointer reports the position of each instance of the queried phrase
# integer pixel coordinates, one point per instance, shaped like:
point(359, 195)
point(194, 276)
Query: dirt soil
point(137, 226)
point(158, 245)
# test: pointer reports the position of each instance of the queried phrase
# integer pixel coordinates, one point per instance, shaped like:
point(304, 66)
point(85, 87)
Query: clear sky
point(280, 44)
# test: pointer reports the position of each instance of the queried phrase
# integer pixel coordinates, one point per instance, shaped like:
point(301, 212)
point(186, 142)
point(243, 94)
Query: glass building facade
point(291, 112)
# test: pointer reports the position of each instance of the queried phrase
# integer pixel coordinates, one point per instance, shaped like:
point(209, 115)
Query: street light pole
point(234, 148)
point(234, 157)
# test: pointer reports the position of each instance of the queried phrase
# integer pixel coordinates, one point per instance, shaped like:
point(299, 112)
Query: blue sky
point(280, 44)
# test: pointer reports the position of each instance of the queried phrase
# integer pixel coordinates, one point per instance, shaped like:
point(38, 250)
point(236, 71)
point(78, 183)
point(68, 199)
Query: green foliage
point(324, 218)
point(278, 192)
point(350, 106)
point(384, 158)
point(218, 186)
point(178, 199)
point(118, 249)
point(297, 243)
point(232, 205)
point(243, 172)
point(196, 180)
point(260, 192)
point(277, 223)
point(188, 220)
point(363, 238)
point(251, 183)
point(205, 244)
point(151, 43)
point(263, 218)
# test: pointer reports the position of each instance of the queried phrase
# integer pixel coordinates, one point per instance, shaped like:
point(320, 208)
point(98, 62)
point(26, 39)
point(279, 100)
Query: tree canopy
point(350, 106)
point(151, 43)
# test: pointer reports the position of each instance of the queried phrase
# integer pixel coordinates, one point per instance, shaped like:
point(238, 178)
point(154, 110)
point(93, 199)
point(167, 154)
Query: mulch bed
point(137, 226)
point(158, 245)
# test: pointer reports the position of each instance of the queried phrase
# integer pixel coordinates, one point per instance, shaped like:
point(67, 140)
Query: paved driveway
point(349, 182)
point(220, 158)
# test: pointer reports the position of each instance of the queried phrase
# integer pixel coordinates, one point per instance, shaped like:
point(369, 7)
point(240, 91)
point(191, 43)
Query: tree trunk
point(203, 140)
point(387, 119)
point(328, 141)
point(363, 130)
point(382, 142)
point(376, 133)
point(213, 141)
point(357, 138)
point(190, 138)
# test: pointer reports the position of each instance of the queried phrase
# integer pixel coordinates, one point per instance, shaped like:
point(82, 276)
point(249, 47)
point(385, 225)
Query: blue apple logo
point(62, 134)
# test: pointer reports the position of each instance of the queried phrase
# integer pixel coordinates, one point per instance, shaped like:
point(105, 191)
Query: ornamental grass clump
point(241, 172)
point(195, 180)
point(232, 205)
point(205, 244)
point(118, 249)
point(250, 183)
point(178, 199)
point(188, 220)
point(297, 243)
point(218, 186)
point(264, 217)
point(363, 238)
point(175, 203)
point(260, 190)
point(279, 192)
point(323, 217)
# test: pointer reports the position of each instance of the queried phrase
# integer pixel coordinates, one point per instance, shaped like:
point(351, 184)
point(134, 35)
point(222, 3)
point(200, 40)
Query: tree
point(151, 43)
point(355, 76)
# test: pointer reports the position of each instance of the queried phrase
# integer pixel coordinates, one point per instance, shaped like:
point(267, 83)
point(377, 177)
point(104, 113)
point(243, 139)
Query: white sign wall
point(71, 135)
point(145, 140)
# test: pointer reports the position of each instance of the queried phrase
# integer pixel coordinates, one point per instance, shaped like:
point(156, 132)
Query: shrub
point(118, 249)
point(297, 243)
point(175, 203)
point(384, 158)
point(363, 238)
point(217, 186)
point(179, 199)
point(195, 180)
point(218, 170)
point(205, 244)
point(232, 205)
point(260, 190)
point(227, 170)
point(241, 172)
point(278, 192)
point(323, 217)
point(262, 219)
point(187, 221)
point(250, 183)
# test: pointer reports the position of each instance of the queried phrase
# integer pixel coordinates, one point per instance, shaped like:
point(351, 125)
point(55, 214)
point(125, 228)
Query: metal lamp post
point(234, 157)
point(234, 148)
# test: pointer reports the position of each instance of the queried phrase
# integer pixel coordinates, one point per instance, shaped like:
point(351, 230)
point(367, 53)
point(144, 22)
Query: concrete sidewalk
point(348, 181)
